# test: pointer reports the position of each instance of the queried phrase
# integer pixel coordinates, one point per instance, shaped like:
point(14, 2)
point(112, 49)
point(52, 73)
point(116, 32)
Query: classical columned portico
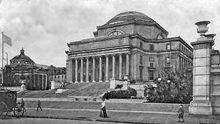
point(104, 66)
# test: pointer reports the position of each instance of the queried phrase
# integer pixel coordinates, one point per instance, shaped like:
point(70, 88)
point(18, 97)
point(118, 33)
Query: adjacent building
point(36, 76)
point(132, 44)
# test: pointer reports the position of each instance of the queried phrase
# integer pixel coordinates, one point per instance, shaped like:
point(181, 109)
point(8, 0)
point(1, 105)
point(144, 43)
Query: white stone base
point(201, 107)
point(61, 90)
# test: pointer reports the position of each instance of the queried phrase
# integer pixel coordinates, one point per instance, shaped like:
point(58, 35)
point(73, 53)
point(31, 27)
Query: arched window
point(160, 36)
point(115, 33)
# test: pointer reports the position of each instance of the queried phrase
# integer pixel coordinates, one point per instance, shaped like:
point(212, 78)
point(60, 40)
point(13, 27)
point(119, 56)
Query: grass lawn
point(110, 106)
point(121, 117)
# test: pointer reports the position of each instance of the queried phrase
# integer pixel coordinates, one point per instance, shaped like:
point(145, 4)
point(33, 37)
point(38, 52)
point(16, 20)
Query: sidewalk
point(119, 116)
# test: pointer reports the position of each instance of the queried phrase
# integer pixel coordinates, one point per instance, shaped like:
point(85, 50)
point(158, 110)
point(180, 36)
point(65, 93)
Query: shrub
point(177, 90)
point(121, 94)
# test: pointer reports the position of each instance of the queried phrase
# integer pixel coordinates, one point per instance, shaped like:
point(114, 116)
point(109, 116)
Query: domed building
point(23, 67)
point(22, 59)
point(129, 44)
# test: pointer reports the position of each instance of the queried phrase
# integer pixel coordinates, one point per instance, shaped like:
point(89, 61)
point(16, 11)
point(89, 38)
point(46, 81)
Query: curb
point(86, 119)
point(110, 110)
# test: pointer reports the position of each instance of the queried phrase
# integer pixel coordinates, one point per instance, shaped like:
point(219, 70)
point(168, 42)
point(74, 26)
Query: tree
point(172, 87)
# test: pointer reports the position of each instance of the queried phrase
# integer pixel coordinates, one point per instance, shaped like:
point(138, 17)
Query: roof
point(131, 17)
point(22, 56)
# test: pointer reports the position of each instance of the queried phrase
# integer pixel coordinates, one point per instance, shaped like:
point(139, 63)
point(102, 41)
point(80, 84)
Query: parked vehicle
point(8, 104)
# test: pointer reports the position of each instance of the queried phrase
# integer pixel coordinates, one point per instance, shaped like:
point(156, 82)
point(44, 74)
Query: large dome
point(130, 16)
point(22, 59)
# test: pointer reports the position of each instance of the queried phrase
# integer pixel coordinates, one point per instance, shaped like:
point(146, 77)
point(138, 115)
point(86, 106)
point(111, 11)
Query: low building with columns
point(36, 76)
point(132, 44)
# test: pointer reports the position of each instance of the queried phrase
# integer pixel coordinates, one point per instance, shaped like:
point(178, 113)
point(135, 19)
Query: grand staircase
point(78, 89)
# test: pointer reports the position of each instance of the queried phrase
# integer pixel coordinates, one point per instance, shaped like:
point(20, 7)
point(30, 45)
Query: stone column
point(100, 69)
point(46, 81)
point(120, 66)
point(127, 64)
point(106, 69)
point(202, 48)
point(87, 69)
point(42, 79)
point(93, 69)
point(81, 72)
point(69, 70)
point(113, 66)
point(76, 70)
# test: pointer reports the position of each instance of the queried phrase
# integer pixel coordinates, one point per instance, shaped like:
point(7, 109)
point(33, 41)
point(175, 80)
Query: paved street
point(48, 121)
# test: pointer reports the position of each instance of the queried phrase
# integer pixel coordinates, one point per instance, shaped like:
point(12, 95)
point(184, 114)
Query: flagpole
point(2, 57)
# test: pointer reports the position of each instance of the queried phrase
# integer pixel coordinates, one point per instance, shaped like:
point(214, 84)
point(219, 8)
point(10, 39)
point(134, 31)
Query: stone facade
point(130, 44)
point(206, 74)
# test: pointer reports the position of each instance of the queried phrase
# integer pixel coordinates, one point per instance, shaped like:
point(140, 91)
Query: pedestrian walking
point(39, 105)
point(23, 104)
point(180, 114)
point(103, 112)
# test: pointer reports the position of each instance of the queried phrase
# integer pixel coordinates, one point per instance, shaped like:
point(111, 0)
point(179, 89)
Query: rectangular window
point(151, 47)
point(151, 65)
point(141, 45)
point(168, 61)
point(151, 74)
point(151, 59)
point(141, 59)
point(168, 46)
point(141, 73)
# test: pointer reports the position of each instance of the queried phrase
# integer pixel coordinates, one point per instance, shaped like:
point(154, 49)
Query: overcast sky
point(44, 27)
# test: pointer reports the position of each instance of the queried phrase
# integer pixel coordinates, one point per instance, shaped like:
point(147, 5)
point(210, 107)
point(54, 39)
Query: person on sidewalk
point(22, 105)
point(39, 105)
point(103, 112)
point(180, 114)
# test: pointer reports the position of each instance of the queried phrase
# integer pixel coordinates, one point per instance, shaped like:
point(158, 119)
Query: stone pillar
point(93, 69)
point(113, 66)
point(106, 69)
point(202, 48)
point(120, 66)
point(87, 70)
point(100, 69)
point(76, 70)
point(81, 72)
point(69, 70)
point(46, 83)
point(127, 64)
point(42, 79)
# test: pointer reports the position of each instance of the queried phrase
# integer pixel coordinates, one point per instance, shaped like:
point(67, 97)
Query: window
point(168, 61)
point(160, 36)
point(151, 47)
point(168, 46)
point(151, 65)
point(151, 59)
point(141, 45)
point(141, 72)
point(151, 74)
point(115, 33)
point(141, 59)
